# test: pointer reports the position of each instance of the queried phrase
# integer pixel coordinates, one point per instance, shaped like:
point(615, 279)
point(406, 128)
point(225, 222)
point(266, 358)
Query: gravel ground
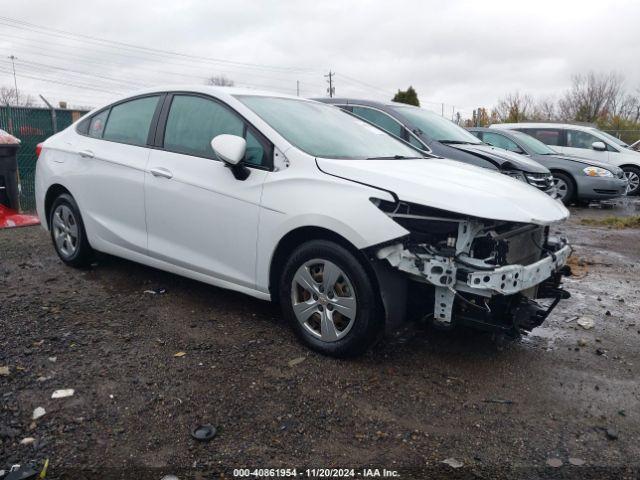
point(503, 409)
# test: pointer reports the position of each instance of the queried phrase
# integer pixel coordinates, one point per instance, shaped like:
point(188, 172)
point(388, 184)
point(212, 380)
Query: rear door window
point(548, 136)
point(129, 122)
point(380, 119)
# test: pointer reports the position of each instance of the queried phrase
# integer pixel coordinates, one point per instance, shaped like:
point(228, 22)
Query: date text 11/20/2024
point(315, 473)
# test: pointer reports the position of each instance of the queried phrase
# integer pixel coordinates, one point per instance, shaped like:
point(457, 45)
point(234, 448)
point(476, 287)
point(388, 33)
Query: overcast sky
point(461, 53)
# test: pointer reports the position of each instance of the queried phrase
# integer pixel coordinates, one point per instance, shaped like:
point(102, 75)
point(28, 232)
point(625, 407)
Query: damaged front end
point(473, 271)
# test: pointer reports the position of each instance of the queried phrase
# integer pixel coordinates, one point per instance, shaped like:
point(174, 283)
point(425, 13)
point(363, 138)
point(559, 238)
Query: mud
point(502, 408)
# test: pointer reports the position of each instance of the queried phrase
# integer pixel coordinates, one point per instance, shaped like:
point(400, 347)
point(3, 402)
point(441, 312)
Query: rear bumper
point(594, 188)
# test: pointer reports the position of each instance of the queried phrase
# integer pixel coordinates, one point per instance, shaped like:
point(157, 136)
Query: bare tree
point(514, 107)
point(8, 97)
point(220, 81)
point(544, 110)
point(590, 97)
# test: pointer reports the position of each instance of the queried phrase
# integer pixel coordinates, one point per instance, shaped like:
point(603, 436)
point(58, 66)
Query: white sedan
point(281, 198)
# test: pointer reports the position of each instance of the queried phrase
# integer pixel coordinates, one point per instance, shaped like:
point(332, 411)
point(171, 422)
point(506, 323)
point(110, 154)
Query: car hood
point(577, 159)
point(453, 186)
point(503, 159)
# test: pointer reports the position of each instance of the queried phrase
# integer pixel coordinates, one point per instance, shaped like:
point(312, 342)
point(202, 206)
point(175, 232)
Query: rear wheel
point(329, 299)
point(565, 187)
point(633, 176)
point(67, 232)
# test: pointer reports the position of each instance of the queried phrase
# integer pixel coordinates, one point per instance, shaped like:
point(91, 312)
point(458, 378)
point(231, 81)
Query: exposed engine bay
point(480, 272)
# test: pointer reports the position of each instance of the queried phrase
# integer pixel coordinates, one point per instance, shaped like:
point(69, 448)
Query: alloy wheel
point(323, 300)
point(634, 181)
point(562, 188)
point(65, 231)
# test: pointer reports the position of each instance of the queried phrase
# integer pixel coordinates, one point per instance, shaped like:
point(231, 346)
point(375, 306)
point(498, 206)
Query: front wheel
point(329, 299)
point(564, 187)
point(633, 177)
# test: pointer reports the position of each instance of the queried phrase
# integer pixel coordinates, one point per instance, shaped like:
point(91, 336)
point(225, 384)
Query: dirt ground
point(501, 408)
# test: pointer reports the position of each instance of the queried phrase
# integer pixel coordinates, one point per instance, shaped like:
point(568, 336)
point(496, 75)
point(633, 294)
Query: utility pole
point(298, 88)
point(331, 90)
point(15, 82)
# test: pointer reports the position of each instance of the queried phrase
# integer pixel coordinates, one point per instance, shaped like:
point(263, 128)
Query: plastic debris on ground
point(296, 361)
point(554, 462)
point(453, 463)
point(586, 322)
point(38, 412)
point(204, 433)
point(156, 291)
point(63, 393)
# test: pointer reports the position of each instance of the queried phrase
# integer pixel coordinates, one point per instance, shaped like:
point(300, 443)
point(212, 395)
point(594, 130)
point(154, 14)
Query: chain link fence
point(627, 136)
point(32, 126)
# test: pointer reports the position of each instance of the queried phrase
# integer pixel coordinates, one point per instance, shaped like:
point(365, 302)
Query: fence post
point(54, 122)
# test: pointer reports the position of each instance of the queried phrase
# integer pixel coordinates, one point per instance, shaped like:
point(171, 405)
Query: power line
point(37, 50)
point(61, 83)
point(23, 25)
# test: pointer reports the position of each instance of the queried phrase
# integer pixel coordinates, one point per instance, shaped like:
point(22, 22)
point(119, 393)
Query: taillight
point(38, 150)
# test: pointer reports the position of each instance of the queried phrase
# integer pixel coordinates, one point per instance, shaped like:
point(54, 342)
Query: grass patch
point(613, 222)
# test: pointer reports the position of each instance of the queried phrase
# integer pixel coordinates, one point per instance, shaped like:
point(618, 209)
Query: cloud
point(463, 53)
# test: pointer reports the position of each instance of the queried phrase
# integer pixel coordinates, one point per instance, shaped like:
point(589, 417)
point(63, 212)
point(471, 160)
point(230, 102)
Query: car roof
point(562, 126)
point(362, 101)
point(222, 93)
point(480, 129)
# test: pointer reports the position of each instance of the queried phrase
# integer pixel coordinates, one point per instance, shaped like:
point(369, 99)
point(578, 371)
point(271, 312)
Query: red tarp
point(10, 218)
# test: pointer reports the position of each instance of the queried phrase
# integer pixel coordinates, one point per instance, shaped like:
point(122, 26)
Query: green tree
point(409, 96)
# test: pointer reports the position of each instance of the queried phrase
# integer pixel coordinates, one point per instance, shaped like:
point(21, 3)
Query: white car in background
point(299, 202)
point(586, 142)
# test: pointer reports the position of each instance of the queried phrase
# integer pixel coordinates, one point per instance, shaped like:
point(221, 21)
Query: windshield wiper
point(393, 157)
point(457, 142)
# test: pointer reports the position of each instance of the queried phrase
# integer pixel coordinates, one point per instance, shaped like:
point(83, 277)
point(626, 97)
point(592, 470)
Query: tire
point(633, 175)
point(68, 234)
point(333, 279)
point(566, 187)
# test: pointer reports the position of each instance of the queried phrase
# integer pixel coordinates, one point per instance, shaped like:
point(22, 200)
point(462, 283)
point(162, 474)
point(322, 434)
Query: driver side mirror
point(599, 146)
point(231, 150)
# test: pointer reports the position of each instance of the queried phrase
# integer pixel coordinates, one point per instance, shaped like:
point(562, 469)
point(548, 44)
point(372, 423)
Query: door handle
point(161, 172)
point(87, 154)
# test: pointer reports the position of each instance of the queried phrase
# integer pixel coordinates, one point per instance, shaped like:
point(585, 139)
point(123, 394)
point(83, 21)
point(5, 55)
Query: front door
point(199, 216)
point(579, 143)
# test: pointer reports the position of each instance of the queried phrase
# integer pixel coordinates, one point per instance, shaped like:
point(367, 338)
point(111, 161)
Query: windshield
point(533, 144)
point(326, 131)
point(436, 127)
point(615, 140)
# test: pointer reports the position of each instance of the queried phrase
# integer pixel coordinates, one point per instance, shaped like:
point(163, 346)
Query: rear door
point(554, 137)
point(199, 216)
point(109, 174)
